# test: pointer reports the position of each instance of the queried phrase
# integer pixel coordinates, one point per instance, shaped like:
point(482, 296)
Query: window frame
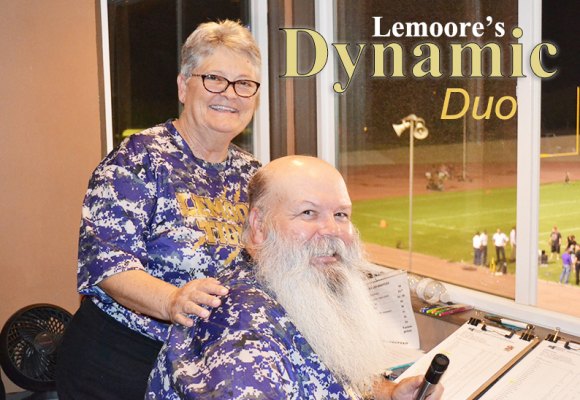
point(107, 96)
point(261, 122)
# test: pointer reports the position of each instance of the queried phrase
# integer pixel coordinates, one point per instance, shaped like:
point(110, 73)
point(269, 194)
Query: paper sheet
point(549, 371)
point(392, 298)
point(474, 357)
point(391, 295)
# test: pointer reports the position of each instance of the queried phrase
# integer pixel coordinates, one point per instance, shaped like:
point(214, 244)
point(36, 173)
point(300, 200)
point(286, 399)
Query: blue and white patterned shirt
point(152, 205)
point(247, 349)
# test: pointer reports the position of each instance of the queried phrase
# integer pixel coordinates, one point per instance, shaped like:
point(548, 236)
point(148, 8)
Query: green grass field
point(444, 223)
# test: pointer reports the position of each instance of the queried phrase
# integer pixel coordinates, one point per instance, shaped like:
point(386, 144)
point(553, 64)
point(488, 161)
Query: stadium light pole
point(417, 130)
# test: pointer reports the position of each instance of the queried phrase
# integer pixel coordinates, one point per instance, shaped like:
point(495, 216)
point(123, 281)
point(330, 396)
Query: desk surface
point(440, 327)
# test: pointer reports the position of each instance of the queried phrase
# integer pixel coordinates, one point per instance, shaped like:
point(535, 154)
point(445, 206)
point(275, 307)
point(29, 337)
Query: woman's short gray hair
point(211, 35)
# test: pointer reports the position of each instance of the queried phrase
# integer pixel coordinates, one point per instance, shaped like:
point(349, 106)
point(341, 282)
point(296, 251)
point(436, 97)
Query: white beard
point(331, 307)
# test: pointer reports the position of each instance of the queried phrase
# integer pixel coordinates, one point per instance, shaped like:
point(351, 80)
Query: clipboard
point(549, 371)
point(479, 355)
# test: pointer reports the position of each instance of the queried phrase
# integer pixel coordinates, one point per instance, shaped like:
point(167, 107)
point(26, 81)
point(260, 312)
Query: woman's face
point(217, 117)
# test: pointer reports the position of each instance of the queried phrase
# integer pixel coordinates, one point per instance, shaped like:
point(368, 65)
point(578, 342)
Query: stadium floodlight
point(417, 130)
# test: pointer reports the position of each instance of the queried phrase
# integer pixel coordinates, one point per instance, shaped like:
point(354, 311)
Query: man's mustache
point(326, 246)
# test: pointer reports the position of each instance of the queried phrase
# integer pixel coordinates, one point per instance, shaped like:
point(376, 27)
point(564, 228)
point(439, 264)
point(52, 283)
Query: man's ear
point(256, 222)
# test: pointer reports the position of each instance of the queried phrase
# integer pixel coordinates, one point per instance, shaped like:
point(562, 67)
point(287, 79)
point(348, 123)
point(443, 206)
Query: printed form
point(549, 371)
point(392, 298)
point(476, 358)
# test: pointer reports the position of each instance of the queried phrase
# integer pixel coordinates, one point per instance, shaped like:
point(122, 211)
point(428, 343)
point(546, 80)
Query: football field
point(445, 222)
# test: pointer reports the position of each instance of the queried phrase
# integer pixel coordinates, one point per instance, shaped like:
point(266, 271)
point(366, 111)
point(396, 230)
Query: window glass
point(144, 39)
point(463, 172)
point(560, 164)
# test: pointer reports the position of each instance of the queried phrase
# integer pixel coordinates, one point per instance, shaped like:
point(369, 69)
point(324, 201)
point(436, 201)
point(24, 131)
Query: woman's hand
point(191, 298)
point(139, 291)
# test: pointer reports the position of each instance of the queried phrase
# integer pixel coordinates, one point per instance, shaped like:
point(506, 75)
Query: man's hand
point(405, 390)
point(191, 298)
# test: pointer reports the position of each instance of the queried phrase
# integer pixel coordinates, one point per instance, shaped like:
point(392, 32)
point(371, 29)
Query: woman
point(161, 217)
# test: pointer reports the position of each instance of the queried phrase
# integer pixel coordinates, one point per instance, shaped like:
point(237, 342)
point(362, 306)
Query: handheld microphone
point(436, 369)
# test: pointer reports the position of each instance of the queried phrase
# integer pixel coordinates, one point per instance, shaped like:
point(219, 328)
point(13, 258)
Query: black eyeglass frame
point(232, 83)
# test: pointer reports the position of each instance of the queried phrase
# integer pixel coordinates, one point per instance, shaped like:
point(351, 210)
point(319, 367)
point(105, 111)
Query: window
point(145, 38)
point(560, 160)
point(364, 138)
point(464, 170)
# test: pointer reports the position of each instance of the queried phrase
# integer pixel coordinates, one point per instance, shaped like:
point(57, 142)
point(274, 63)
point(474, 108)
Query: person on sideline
point(577, 263)
point(500, 240)
point(570, 241)
point(555, 243)
point(476, 243)
point(161, 218)
point(299, 321)
point(566, 266)
point(483, 238)
point(513, 247)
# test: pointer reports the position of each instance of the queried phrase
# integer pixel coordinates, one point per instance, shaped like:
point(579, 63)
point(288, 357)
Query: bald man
point(298, 322)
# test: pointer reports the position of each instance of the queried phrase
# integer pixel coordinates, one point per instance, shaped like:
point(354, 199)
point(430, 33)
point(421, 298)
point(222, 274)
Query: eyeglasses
point(218, 84)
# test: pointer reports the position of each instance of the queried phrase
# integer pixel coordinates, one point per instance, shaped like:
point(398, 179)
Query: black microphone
point(436, 369)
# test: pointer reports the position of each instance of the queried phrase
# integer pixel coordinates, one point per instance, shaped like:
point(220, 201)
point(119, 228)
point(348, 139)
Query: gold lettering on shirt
point(220, 219)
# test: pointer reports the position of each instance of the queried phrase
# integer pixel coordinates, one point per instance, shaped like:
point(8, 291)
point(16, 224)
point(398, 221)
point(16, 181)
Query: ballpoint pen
point(506, 322)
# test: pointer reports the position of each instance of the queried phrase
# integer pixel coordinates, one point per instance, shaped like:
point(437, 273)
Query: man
point(483, 238)
point(476, 241)
point(566, 266)
point(500, 240)
point(513, 244)
point(298, 322)
point(555, 243)
point(577, 263)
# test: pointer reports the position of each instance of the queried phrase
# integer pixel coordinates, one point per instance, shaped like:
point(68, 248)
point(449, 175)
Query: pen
point(455, 310)
point(427, 308)
point(505, 321)
point(435, 310)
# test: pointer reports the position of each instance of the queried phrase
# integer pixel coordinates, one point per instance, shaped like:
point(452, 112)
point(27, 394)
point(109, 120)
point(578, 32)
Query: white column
point(528, 176)
point(261, 136)
point(325, 96)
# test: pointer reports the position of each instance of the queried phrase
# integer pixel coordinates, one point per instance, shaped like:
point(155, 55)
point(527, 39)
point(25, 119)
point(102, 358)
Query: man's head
point(303, 199)
point(309, 256)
